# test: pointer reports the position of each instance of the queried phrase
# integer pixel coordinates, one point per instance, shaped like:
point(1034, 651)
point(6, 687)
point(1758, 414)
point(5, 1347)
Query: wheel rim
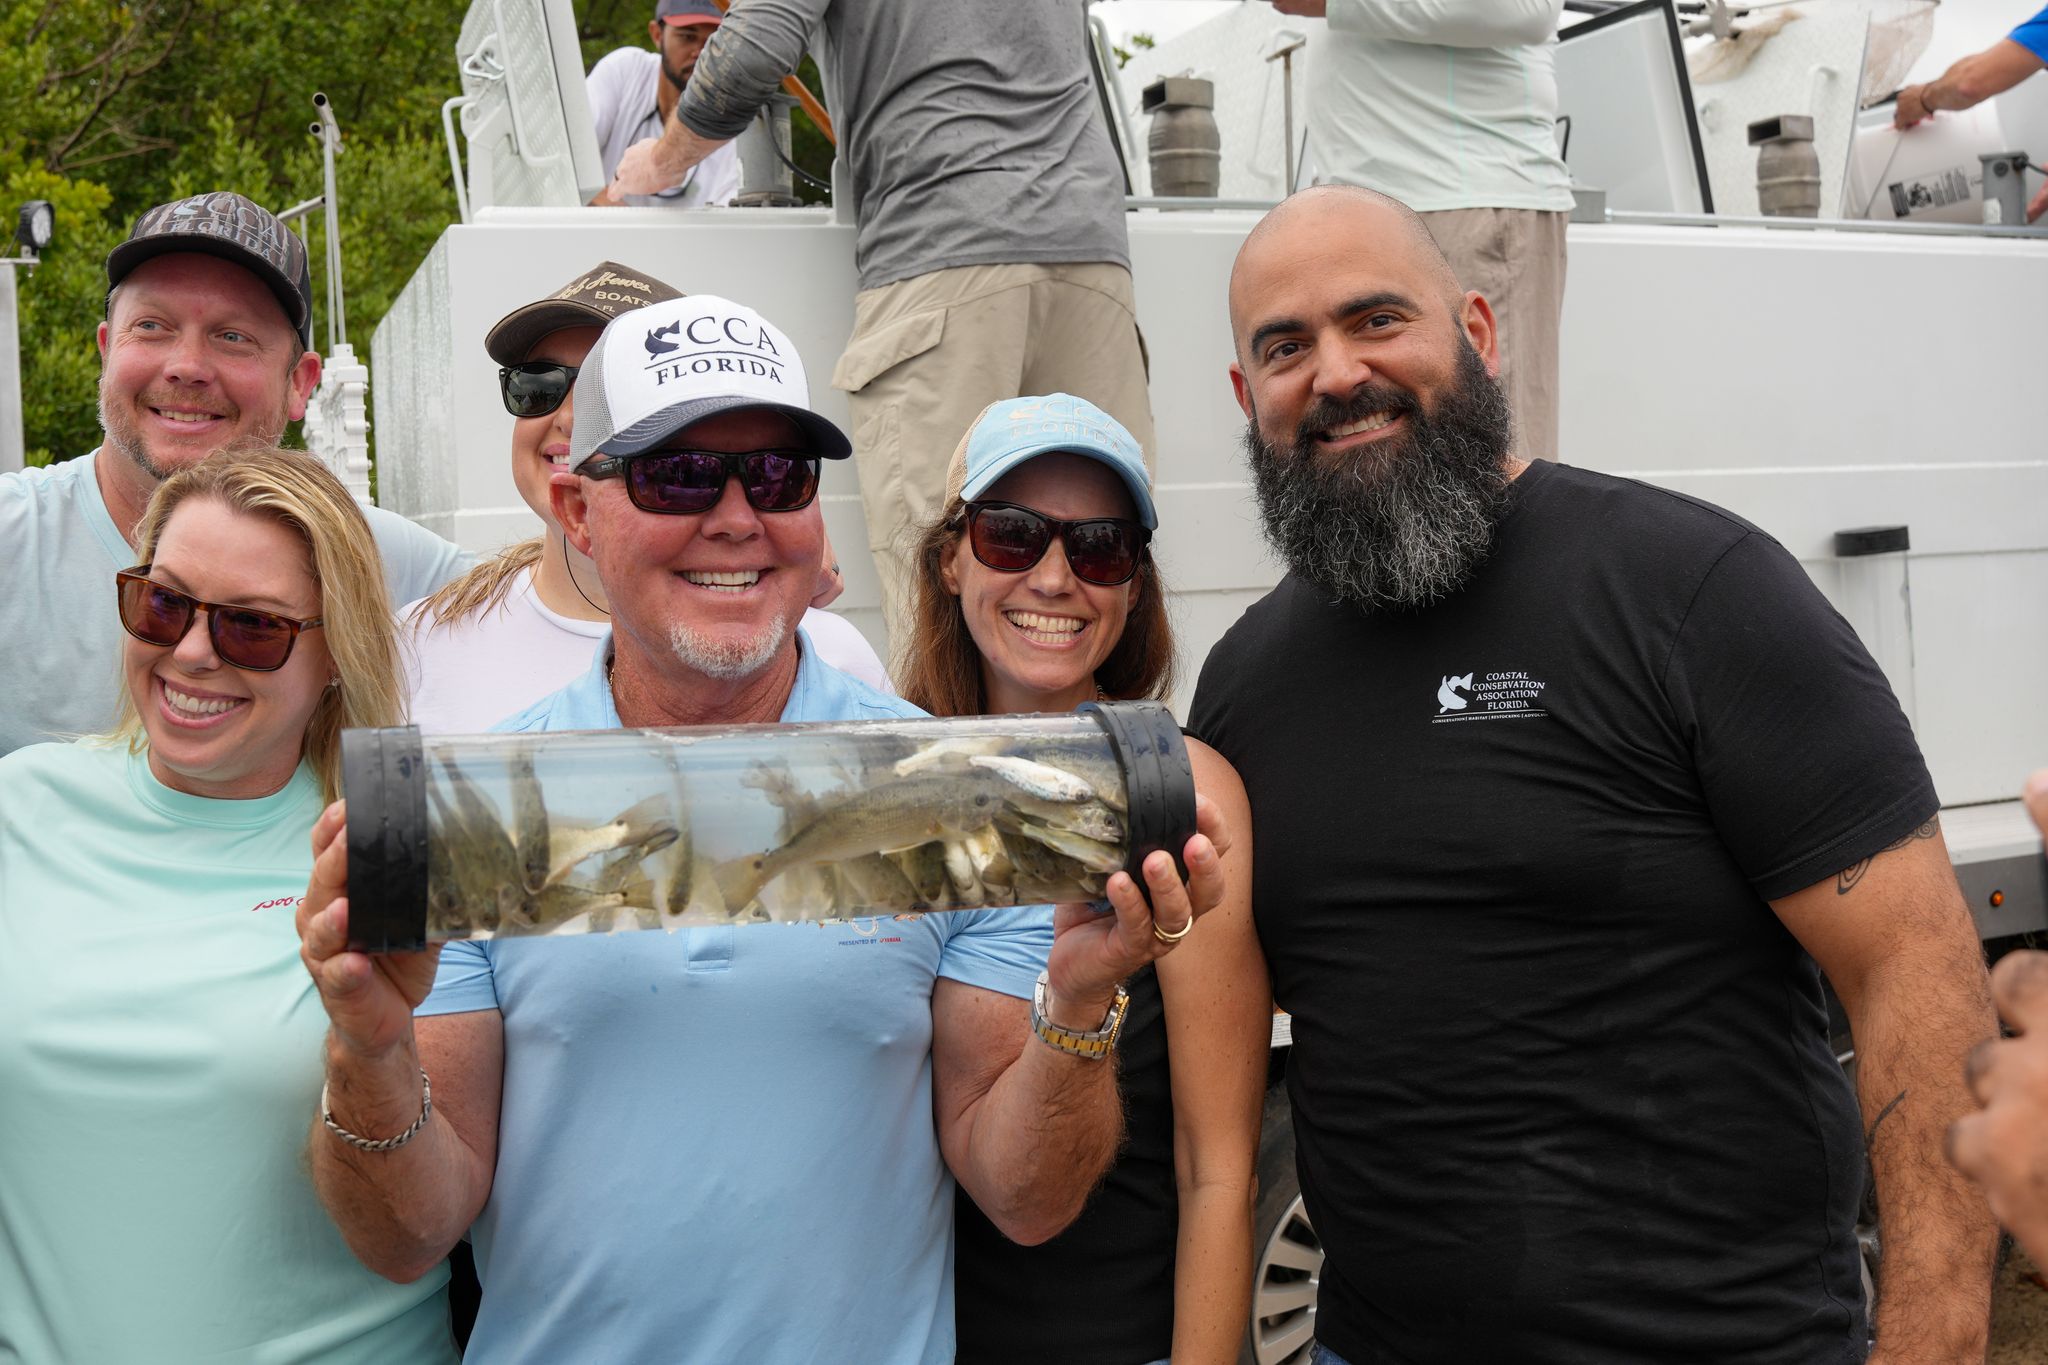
point(1284, 1292)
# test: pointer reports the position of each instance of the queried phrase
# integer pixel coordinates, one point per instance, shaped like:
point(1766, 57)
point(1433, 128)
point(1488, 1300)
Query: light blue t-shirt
point(718, 1145)
point(160, 1061)
point(60, 672)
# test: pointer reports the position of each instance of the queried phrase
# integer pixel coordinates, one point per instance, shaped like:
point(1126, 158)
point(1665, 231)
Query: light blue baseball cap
point(1015, 430)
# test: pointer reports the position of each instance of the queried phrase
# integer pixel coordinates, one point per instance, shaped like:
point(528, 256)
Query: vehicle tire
point(1289, 1263)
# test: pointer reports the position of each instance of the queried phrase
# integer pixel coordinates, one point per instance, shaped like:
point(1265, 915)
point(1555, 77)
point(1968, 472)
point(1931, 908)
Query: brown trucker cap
point(592, 299)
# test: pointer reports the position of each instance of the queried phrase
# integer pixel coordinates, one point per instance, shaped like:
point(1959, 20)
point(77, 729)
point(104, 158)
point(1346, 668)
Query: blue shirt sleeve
point(998, 950)
point(463, 983)
point(416, 561)
point(2033, 35)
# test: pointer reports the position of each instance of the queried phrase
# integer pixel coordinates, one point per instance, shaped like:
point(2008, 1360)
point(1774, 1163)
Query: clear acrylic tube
point(481, 836)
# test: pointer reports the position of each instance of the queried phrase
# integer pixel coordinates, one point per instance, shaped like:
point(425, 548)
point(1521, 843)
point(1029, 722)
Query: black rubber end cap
point(1159, 780)
point(384, 779)
point(1871, 540)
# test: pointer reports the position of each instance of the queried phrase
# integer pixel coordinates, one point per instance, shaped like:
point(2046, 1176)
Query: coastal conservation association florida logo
point(1510, 694)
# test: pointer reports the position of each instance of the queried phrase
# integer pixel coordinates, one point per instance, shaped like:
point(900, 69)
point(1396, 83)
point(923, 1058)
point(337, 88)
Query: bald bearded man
point(1577, 789)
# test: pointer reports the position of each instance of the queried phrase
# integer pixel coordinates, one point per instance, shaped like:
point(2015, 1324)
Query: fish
point(967, 889)
point(479, 819)
point(1088, 759)
point(992, 866)
point(925, 868)
point(529, 819)
point(673, 874)
point(1091, 854)
point(991, 860)
point(672, 868)
point(619, 865)
point(556, 905)
point(874, 881)
point(886, 817)
point(1036, 779)
point(1034, 862)
point(947, 753)
point(472, 883)
point(1089, 819)
point(643, 826)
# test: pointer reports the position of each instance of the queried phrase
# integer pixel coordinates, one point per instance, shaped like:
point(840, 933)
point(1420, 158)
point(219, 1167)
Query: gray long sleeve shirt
point(971, 127)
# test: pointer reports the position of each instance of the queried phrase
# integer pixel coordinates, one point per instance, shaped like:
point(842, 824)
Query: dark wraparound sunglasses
point(1104, 551)
point(247, 637)
point(535, 388)
point(683, 482)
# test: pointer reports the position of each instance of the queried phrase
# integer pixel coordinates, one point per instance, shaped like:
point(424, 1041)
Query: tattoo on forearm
point(1882, 1114)
point(1848, 877)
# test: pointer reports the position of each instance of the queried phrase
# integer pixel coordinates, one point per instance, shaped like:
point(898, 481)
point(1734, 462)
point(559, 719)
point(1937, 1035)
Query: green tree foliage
point(106, 109)
point(60, 305)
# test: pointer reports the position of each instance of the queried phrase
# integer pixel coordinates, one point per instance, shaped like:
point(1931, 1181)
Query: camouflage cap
point(592, 299)
point(224, 224)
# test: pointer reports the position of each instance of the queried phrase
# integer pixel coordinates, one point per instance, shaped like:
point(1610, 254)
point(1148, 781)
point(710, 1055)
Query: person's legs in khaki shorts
point(928, 354)
point(1085, 341)
point(1515, 257)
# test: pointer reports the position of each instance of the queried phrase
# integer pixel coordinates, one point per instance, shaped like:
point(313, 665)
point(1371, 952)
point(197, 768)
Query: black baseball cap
point(592, 299)
point(225, 224)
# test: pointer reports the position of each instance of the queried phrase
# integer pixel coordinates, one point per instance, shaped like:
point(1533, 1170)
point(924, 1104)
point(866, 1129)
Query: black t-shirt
point(1100, 1293)
point(1561, 1080)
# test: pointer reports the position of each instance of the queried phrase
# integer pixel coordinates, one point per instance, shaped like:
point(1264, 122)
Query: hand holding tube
point(369, 998)
point(1093, 953)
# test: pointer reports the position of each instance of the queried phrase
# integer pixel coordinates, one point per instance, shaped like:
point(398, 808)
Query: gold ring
point(1174, 937)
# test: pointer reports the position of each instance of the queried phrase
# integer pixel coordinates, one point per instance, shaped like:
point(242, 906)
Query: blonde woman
point(159, 1042)
point(524, 623)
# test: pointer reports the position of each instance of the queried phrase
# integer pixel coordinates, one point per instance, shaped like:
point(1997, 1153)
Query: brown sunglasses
point(250, 638)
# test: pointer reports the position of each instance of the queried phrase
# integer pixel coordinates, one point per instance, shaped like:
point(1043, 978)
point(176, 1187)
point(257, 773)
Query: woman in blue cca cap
point(1036, 591)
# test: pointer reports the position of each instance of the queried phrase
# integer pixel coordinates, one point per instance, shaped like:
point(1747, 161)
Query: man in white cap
point(990, 246)
point(206, 343)
point(719, 1146)
point(633, 92)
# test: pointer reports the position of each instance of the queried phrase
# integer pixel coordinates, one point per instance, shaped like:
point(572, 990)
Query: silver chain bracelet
point(390, 1144)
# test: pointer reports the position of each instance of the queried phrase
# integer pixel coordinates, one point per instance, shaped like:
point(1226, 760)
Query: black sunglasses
point(535, 388)
point(682, 482)
point(1105, 551)
point(249, 638)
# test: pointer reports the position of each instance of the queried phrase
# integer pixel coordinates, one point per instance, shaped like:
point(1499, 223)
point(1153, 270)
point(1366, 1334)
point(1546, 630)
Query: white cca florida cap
point(658, 369)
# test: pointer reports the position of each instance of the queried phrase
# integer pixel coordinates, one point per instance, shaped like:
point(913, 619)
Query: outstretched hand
point(640, 171)
point(1910, 107)
point(369, 998)
point(2004, 1148)
point(1093, 953)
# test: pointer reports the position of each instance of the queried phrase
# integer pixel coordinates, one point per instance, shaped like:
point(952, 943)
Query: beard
point(1398, 523)
point(679, 77)
point(117, 422)
point(726, 660)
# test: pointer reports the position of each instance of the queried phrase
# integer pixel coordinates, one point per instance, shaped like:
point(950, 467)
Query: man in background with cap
point(991, 246)
point(209, 321)
point(524, 622)
point(633, 93)
point(732, 1144)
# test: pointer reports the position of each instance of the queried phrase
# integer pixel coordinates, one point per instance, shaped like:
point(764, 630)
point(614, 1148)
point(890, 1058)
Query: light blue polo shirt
point(718, 1145)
